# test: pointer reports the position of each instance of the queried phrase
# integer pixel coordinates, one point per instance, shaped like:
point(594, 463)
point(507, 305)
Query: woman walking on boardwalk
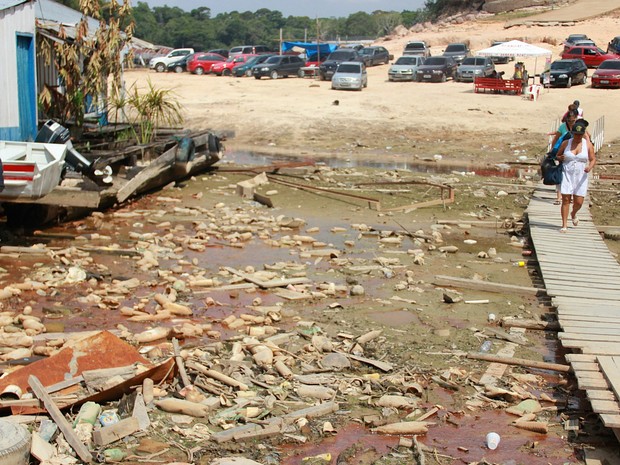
point(577, 157)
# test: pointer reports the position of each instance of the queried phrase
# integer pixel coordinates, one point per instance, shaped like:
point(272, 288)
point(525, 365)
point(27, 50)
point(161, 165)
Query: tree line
point(175, 27)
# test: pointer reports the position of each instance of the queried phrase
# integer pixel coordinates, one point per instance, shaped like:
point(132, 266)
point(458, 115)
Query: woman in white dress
point(577, 157)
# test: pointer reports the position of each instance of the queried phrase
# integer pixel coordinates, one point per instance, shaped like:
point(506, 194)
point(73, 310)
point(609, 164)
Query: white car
point(160, 64)
point(350, 75)
point(404, 68)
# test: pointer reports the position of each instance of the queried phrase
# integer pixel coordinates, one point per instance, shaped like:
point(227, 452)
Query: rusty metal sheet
point(102, 350)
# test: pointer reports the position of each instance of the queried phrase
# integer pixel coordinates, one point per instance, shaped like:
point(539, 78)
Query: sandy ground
point(298, 116)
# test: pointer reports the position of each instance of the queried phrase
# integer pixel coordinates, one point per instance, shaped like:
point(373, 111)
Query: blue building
point(18, 82)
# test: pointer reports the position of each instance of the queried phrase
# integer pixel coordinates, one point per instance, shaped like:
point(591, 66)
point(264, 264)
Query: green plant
point(148, 110)
point(86, 61)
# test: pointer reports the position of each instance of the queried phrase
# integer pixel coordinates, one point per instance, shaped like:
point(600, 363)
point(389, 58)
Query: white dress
point(574, 178)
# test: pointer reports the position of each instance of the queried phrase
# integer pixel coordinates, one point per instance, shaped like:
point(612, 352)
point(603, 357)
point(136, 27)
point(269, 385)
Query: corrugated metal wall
point(15, 19)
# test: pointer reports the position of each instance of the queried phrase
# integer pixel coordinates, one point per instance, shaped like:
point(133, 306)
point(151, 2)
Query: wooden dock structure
point(582, 278)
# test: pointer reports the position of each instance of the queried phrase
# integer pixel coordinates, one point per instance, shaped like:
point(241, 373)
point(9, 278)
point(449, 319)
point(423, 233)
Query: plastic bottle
point(486, 346)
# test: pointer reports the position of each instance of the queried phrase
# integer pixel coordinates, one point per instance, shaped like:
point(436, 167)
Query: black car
point(457, 51)
point(375, 55)
point(614, 45)
point(572, 38)
point(566, 73)
point(220, 51)
point(278, 65)
point(436, 69)
point(180, 66)
point(328, 67)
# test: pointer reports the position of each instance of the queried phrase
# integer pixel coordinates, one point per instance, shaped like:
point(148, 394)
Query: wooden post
point(64, 426)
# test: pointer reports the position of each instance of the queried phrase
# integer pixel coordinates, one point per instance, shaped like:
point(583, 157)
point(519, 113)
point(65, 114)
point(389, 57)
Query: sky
point(311, 8)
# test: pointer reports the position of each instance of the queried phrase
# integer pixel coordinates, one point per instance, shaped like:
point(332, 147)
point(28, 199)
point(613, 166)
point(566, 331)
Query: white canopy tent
point(516, 49)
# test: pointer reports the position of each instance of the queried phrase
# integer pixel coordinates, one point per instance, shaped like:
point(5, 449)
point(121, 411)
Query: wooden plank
point(585, 366)
point(589, 383)
point(611, 421)
point(596, 348)
point(156, 168)
point(605, 406)
point(590, 329)
point(611, 371)
point(69, 197)
point(39, 390)
point(117, 431)
point(450, 281)
point(598, 394)
point(587, 337)
point(580, 358)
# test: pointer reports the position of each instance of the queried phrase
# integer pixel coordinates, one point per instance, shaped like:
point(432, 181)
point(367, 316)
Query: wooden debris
point(39, 390)
point(404, 427)
point(519, 362)
point(179, 362)
point(533, 426)
point(112, 433)
point(450, 281)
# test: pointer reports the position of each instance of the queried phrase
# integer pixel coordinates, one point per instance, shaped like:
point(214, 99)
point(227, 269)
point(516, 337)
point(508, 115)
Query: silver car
point(404, 68)
point(350, 75)
point(473, 67)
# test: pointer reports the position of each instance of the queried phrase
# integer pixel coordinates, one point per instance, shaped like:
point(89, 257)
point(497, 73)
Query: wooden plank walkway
point(583, 280)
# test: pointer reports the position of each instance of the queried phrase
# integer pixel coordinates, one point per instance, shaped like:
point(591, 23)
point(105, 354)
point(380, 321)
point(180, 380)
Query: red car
point(591, 55)
point(201, 63)
point(225, 68)
point(607, 74)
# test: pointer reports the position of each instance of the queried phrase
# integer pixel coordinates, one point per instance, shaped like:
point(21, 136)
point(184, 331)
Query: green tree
point(360, 24)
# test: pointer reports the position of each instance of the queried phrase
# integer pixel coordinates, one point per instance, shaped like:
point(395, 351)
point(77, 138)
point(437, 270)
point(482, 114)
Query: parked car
point(579, 43)
point(160, 64)
point(375, 55)
point(277, 66)
point(245, 69)
point(566, 73)
point(473, 67)
point(458, 52)
point(179, 66)
point(417, 47)
point(219, 51)
point(350, 75)
point(328, 67)
point(225, 68)
point(356, 47)
point(572, 38)
point(436, 69)
point(614, 45)
point(248, 50)
point(607, 74)
point(498, 59)
point(404, 68)
point(201, 63)
point(592, 56)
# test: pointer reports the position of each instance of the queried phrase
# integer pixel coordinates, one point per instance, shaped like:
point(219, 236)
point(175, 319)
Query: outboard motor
point(53, 133)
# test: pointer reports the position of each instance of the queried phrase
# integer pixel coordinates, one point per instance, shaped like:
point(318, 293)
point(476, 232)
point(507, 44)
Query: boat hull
point(30, 170)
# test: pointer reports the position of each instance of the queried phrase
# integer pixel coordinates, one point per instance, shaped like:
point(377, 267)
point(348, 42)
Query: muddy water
point(388, 163)
point(456, 434)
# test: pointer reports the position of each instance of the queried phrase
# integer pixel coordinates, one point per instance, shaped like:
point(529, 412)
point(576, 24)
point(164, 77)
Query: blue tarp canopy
point(311, 48)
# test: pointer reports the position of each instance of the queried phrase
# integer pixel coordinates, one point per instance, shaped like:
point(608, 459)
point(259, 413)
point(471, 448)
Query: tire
point(199, 71)
point(178, 69)
point(248, 73)
point(214, 144)
point(444, 78)
point(273, 75)
point(585, 79)
point(300, 73)
point(257, 77)
point(160, 67)
point(226, 72)
point(569, 83)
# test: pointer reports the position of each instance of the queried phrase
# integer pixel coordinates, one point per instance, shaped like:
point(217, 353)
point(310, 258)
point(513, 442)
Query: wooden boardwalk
point(583, 280)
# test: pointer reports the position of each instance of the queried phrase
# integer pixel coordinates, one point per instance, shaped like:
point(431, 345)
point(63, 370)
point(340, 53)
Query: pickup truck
point(160, 64)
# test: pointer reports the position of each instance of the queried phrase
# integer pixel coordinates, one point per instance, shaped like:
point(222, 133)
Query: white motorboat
point(30, 170)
